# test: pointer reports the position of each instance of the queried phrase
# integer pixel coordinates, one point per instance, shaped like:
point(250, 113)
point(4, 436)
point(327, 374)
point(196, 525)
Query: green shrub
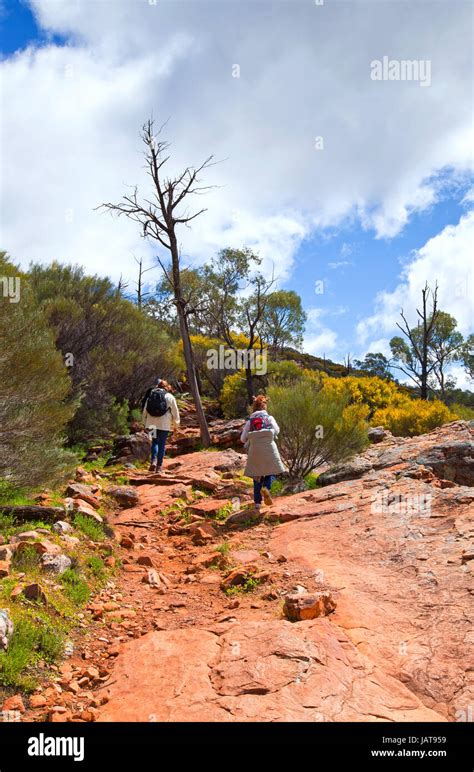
point(90, 527)
point(75, 587)
point(27, 560)
point(31, 427)
point(277, 487)
point(31, 639)
point(464, 412)
point(318, 425)
point(233, 396)
point(96, 566)
point(311, 480)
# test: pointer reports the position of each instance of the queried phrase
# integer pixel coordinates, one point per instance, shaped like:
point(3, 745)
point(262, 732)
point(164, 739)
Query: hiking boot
point(152, 467)
point(266, 497)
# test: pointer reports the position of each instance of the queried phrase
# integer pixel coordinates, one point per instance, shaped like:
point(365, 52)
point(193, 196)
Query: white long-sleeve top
point(166, 421)
point(273, 425)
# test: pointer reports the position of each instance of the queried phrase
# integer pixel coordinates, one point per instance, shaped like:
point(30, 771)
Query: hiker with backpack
point(160, 414)
point(263, 459)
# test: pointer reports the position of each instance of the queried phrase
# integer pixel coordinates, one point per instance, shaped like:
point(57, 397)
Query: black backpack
point(156, 404)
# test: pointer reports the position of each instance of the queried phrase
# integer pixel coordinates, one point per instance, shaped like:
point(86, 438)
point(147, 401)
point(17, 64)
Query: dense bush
point(34, 392)
point(233, 397)
point(409, 417)
point(462, 411)
point(318, 424)
point(371, 391)
point(115, 351)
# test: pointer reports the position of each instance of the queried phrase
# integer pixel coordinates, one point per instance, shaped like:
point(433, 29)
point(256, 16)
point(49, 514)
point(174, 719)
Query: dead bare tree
point(139, 284)
point(416, 356)
point(159, 219)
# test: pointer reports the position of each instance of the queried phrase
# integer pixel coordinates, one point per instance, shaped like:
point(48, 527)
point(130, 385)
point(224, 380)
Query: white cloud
point(70, 131)
point(321, 344)
point(382, 346)
point(447, 259)
point(459, 374)
point(319, 339)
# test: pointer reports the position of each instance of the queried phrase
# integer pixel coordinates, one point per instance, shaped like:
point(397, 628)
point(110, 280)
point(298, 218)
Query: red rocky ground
point(393, 547)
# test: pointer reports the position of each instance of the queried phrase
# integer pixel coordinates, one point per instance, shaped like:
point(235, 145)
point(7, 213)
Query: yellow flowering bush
point(413, 416)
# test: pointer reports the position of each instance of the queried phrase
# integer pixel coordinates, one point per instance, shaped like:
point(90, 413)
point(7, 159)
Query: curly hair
point(259, 403)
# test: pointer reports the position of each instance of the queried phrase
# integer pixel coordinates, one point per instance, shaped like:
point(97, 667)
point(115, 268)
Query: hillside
point(190, 626)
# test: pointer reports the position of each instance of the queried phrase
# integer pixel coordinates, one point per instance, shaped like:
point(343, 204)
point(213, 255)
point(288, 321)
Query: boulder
point(300, 606)
point(208, 507)
point(56, 564)
point(84, 493)
point(41, 547)
point(125, 496)
point(348, 471)
point(453, 461)
point(14, 703)
point(130, 447)
point(62, 527)
point(70, 541)
point(231, 461)
point(28, 536)
point(6, 551)
point(152, 578)
point(145, 560)
point(226, 433)
point(243, 516)
point(83, 508)
point(377, 434)
point(241, 574)
point(26, 513)
point(5, 566)
point(6, 628)
point(35, 592)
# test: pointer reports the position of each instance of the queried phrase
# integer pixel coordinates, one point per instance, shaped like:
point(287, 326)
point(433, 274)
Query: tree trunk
point(424, 354)
point(249, 384)
point(187, 348)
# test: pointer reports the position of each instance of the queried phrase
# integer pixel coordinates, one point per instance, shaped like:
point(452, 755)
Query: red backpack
point(259, 422)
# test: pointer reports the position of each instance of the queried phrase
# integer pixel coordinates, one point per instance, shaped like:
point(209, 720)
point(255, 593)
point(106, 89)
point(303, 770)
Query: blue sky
point(384, 206)
point(19, 28)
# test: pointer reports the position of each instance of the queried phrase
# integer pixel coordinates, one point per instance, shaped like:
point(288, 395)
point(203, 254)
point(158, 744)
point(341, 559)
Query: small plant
point(33, 638)
point(277, 487)
point(311, 480)
point(249, 585)
point(121, 480)
point(90, 527)
point(224, 512)
point(75, 587)
point(27, 559)
point(11, 494)
point(96, 566)
point(224, 548)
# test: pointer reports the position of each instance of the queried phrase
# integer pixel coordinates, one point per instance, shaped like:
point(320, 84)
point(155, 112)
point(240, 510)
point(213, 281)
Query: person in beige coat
point(160, 415)
point(263, 459)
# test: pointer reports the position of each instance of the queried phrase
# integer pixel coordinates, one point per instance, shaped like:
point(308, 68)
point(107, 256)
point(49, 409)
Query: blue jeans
point(158, 444)
point(258, 484)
